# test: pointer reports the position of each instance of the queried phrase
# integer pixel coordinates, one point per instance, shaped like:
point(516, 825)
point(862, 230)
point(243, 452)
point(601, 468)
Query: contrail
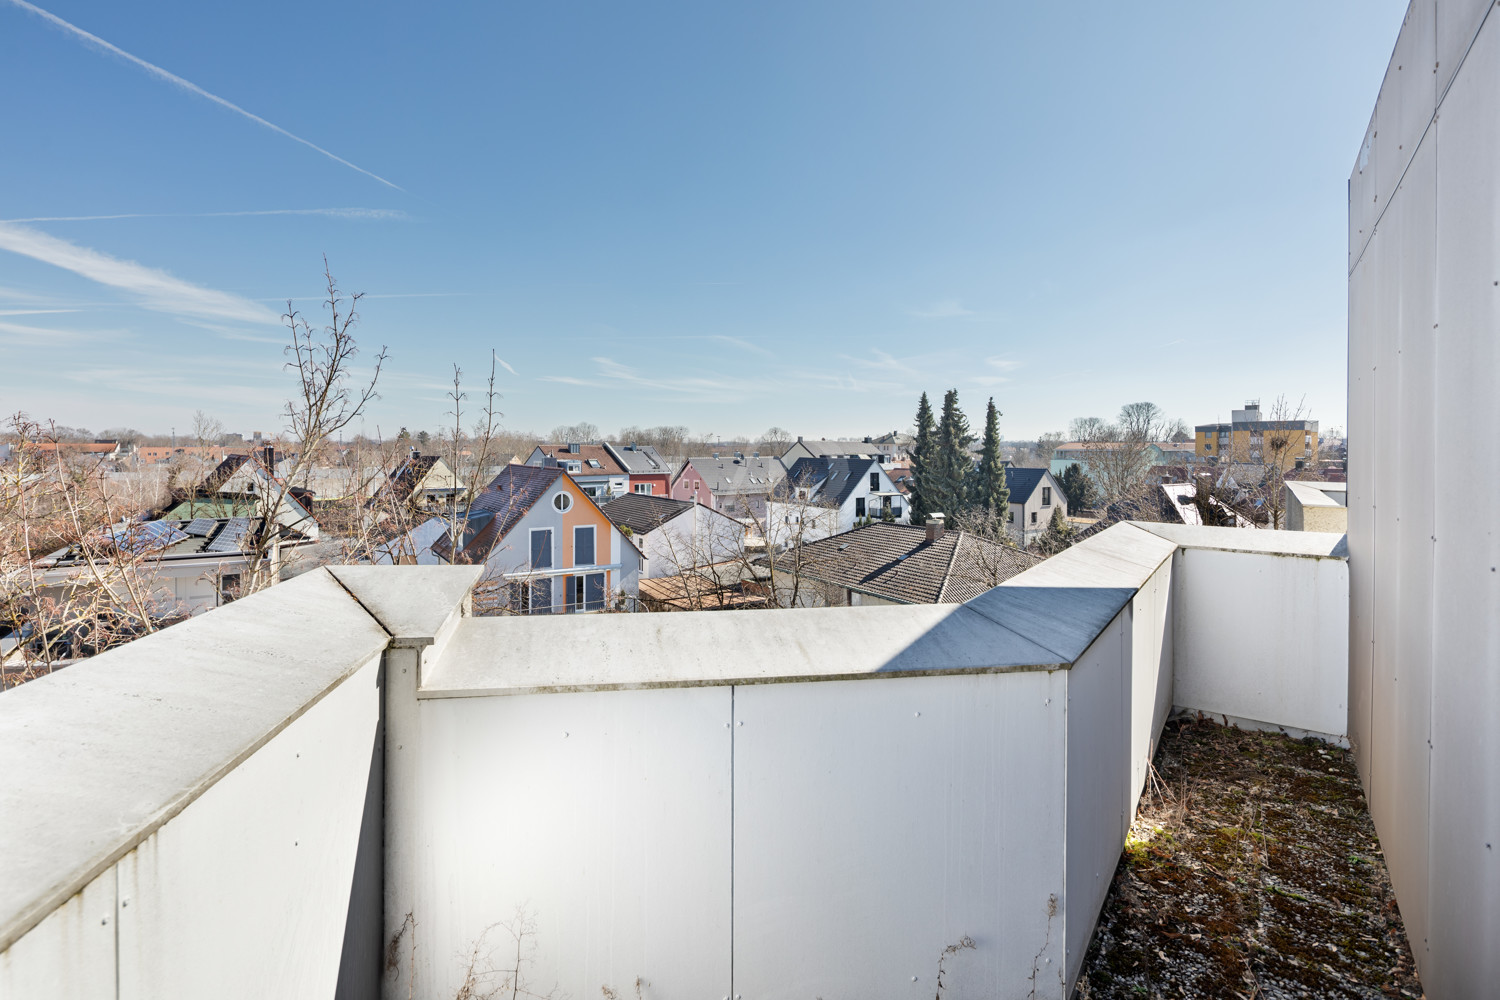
point(336, 213)
point(190, 87)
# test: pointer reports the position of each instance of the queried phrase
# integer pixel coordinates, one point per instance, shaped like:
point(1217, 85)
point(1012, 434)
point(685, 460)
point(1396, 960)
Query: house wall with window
point(1032, 501)
point(564, 556)
point(812, 510)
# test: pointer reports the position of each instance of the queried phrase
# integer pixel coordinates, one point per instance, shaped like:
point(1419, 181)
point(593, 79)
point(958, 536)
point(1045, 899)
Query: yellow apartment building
point(1249, 439)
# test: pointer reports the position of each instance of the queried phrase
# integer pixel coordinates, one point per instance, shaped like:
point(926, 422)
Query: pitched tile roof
point(836, 478)
point(587, 453)
point(641, 512)
point(745, 474)
point(897, 563)
point(843, 449)
point(1022, 482)
point(406, 476)
point(638, 459)
point(496, 510)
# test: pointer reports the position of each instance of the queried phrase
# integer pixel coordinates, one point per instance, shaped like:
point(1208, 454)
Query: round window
point(562, 502)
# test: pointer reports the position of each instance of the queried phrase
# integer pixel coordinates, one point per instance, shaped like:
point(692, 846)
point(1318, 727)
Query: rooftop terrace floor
point(1252, 870)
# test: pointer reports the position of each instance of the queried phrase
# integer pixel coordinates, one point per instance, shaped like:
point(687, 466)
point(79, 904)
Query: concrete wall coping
point(1316, 494)
point(1042, 619)
point(415, 604)
point(1305, 544)
point(554, 653)
point(99, 755)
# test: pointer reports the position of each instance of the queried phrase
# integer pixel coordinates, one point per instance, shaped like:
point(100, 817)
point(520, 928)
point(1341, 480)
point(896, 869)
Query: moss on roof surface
point(1252, 870)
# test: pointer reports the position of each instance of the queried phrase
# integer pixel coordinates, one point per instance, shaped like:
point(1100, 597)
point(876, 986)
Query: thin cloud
point(362, 214)
point(157, 290)
point(611, 369)
point(1002, 364)
point(507, 367)
point(190, 87)
point(942, 309)
point(743, 345)
point(569, 380)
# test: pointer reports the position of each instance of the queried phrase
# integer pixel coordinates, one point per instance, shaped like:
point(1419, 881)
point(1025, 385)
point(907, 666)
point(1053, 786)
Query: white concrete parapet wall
point(786, 803)
point(198, 813)
point(1261, 628)
point(346, 781)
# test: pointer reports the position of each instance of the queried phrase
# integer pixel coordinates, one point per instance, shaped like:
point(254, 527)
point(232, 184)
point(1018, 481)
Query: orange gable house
point(546, 546)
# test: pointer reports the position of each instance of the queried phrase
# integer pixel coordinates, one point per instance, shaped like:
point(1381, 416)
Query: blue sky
point(724, 216)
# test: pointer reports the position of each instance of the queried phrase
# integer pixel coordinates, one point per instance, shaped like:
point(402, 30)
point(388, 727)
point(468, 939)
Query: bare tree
point(206, 430)
point(78, 567)
point(579, 433)
point(1118, 456)
point(328, 400)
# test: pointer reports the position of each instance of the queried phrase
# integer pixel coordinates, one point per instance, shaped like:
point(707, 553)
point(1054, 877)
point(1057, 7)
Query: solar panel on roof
point(144, 537)
point(231, 537)
point(201, 527)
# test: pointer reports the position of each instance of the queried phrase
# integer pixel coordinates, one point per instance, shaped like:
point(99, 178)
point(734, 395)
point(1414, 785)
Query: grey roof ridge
point(958, 538)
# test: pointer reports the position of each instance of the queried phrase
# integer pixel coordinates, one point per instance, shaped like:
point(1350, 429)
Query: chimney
point(799, 438)
point(415, 453)
point(934, 527)
point(271, 458)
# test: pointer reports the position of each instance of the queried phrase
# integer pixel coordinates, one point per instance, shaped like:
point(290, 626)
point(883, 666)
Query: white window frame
point(643, 488)
point(563, 502)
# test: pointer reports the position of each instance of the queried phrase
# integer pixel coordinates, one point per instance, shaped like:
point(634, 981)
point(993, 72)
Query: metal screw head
point(565, 734)
point(742, 722)
point(916, 715)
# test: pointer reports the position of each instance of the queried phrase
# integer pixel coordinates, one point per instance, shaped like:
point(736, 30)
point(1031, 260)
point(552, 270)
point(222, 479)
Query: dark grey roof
point(1022, 482)
point(641, 459)
point(641, 512)
point(844, 449)
point(497, 509)
point(836, 478)
point(747, 474)
point(897, 563)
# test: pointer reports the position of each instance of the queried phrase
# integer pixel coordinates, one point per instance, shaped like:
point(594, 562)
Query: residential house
point(649, 473)
point(885, 563)
point(155, 454)
point(825, 496)
point(423, 481)
point(733, 483)
point(1034, 495)
point(546, 546)
point(899, 445)
point(885, 454)
point(592, 467)
point(1249, 439)
point(188, 564)
point(676, 536)
point(97, 449)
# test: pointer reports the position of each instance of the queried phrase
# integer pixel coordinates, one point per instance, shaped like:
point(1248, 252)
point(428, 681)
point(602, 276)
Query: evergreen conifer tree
point(1080, 490)
point(952, 471)
point(990, 490)
point(922, 455)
